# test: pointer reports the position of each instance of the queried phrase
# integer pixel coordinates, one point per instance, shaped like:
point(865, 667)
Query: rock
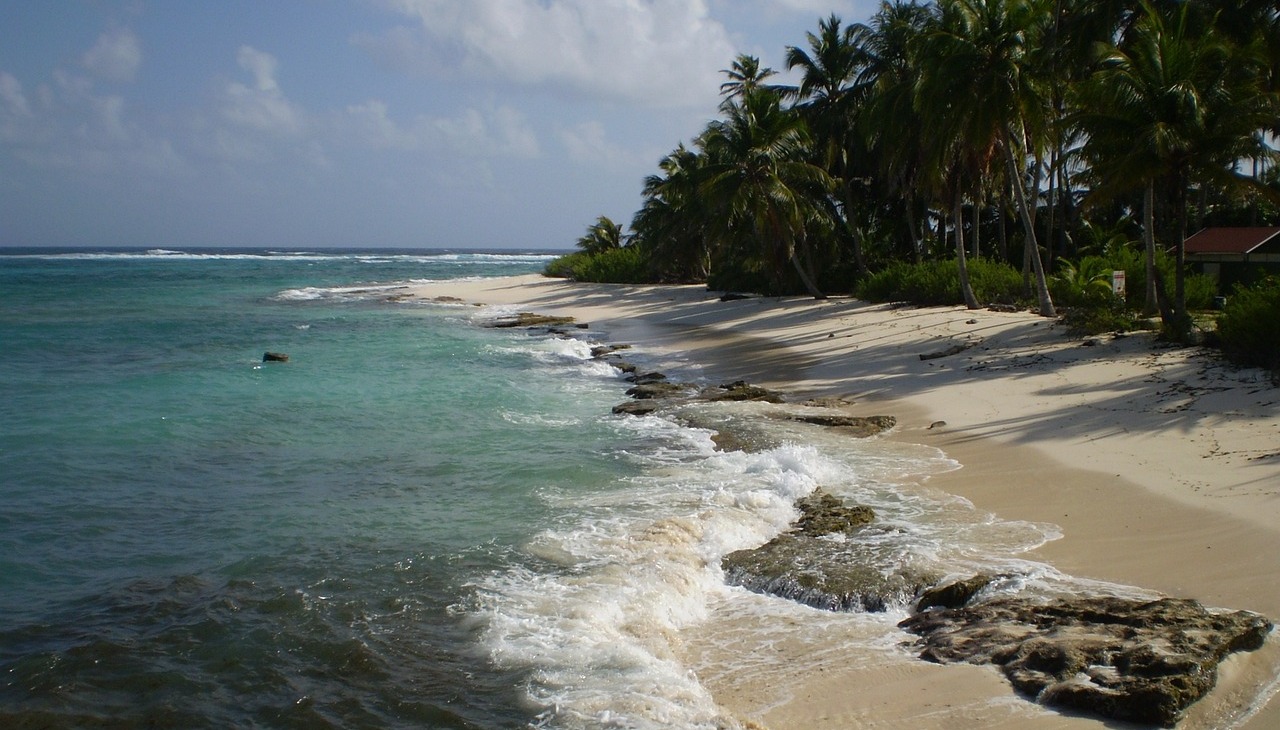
point(806, 565)
point(529, 319)
point(936, 424)
point(739, 390)
point(636, 407)
point(953, 595)
point(647, 378)
point(1002, 308)
point(828, 402)
point(600, 351)
point(658, 389)
point(856, 426)
point(824, 514)
point(1131, 660)
point(274, 357)
point(733, 296)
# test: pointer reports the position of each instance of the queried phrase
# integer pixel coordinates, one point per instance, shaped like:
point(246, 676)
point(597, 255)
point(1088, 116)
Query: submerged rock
point(274, 357)
point(1132, 660)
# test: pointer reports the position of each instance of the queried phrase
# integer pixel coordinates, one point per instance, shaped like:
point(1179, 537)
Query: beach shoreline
point(1160, 466)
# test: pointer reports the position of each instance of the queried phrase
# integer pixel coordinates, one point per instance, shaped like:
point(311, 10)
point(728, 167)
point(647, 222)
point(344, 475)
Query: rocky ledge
point(1131, 660)
point(817, 563)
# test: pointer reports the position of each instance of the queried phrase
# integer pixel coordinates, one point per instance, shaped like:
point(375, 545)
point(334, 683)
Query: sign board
point(1117, 283)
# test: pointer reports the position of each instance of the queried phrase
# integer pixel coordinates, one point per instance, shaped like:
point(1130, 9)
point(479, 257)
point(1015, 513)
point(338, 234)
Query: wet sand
point(1160, 465)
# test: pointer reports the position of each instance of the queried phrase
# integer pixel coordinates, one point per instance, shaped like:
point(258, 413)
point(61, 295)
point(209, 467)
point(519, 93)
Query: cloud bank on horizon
point(430, 123)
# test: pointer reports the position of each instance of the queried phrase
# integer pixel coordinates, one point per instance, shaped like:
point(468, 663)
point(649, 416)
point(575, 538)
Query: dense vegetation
point(973, 151)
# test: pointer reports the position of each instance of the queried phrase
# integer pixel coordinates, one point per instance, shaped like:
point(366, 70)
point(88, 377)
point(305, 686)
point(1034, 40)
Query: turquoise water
point(415, 522)
point(194, 538)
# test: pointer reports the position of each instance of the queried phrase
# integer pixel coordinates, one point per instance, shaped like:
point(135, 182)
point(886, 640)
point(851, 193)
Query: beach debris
point(734, 296)
point(936, 424)
point(530, 319)
point(1135, 660)
point(274, 357)
point(955, 349)
point(805, 564)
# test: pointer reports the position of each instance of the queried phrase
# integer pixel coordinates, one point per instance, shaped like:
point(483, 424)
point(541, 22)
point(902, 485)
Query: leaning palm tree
point(980, 99)
point(762, 188)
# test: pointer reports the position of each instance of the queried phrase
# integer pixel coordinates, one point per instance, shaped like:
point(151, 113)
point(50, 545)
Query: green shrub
point(1249, 328)
point(626, 265)
point(938, 283)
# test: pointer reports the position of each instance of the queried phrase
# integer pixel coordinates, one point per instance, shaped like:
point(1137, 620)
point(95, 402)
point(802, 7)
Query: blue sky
point(310, 123)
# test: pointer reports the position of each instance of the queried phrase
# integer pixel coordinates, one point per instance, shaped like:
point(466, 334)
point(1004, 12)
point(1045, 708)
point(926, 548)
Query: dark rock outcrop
point(1132, 660)
point(274, 357)
point(657, 389)
point(636, 407)
point(530, 319)
point(856, 426)
point(739, 390)
point(806, 565)
point(955, 594)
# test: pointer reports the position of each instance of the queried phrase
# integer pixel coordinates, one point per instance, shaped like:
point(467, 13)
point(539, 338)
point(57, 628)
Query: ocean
point(415, 522)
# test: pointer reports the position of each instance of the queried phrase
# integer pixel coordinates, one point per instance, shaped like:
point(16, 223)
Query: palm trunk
point(1042, 285)
point(1151, 305)
point(966, 290)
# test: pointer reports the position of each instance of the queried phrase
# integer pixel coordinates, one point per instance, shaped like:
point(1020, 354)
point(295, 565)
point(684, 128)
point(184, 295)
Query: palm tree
point(827, 98)
point(886, 119)
point(670, 226)
point(603, 235)
point(981, 101)
point(745, 76)
point(761, 185)
point(1175, 104)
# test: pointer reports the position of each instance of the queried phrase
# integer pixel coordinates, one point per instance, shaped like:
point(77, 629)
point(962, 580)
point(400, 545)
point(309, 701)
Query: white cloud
point(588, 143)
point(15, 102)
point(262, 106)
point(115, 57)
point(655, 52)
point(502, 131)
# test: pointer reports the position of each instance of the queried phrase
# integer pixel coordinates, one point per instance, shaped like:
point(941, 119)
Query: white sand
point(1161, 466)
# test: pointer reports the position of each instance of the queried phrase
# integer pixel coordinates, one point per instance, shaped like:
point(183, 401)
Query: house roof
point(1230, 240)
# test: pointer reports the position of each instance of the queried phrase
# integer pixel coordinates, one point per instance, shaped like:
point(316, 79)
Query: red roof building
point(1234, 255)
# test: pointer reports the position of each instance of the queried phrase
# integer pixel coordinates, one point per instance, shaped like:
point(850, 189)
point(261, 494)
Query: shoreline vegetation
point(1159, 465)
point(984, 151)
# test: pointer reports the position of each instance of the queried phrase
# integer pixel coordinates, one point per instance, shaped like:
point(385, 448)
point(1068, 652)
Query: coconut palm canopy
point(1006, 129)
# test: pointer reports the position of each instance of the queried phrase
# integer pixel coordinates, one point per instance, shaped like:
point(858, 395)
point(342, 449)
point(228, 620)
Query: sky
point(358, 123)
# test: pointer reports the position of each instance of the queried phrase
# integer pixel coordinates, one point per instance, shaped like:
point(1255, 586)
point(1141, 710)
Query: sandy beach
point(1160, 466)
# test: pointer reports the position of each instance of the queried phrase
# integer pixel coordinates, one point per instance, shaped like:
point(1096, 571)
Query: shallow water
point(415, 522)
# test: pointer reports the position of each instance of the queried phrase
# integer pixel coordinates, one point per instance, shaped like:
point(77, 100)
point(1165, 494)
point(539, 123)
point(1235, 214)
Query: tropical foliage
point(1028, 143)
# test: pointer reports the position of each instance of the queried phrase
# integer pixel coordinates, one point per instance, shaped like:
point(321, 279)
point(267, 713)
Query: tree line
point(1028, 132)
